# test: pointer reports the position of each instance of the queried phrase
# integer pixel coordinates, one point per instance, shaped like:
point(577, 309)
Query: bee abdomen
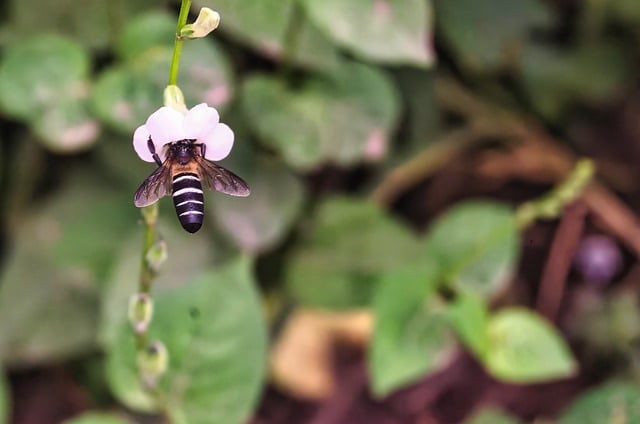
point(188, 200)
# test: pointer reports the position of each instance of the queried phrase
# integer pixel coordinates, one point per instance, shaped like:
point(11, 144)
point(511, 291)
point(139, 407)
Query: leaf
point(411, 336)
point(5, 401)
point(188, 256)
point(214, 332)
point(265, 25)
point(125, 95)
point(50, 283)
point(524, 348)
point(352, 244)
point(469, 316)
point(97, 418)
point(43, 82)
point(389, 31)
point(484, 34)
point(92, 22)
point(345, 119)
point(555, 79)
point(614, 402)
point(145, 31)
point(477, 244)
point(258, 222)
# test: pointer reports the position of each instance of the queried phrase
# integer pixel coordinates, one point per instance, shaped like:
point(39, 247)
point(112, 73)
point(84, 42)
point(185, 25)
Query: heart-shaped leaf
point(411, 335)
point(477, 244)
point(97, 418)
point(345, 119)
point(390, 31)
point(616, 401)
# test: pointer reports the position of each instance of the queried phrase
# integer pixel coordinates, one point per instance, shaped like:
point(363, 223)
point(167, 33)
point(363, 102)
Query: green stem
point(177, 46)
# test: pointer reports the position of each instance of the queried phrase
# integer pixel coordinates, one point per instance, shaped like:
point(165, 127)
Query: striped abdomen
point(188, 200)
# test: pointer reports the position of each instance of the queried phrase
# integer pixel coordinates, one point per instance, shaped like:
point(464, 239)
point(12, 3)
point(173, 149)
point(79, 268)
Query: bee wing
point(215, 177)
point(157, 185)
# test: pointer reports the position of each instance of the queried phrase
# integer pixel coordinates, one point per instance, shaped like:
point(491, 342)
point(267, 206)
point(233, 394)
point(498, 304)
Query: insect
point(182, 174)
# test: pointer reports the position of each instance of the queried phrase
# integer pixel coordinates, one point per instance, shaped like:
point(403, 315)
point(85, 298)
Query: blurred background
point(381, 271)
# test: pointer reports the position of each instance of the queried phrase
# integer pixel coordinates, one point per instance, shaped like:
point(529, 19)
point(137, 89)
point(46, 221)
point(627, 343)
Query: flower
point(167, 125)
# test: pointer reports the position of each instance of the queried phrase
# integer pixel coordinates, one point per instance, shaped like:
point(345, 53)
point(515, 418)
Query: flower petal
point(219, 143)
point(200, 122)
point(140, 138)
point(166, 125)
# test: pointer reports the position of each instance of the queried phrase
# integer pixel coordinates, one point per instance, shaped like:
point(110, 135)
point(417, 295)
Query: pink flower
point(167, 125)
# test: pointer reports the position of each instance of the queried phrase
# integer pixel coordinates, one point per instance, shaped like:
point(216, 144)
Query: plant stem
point(177, 46)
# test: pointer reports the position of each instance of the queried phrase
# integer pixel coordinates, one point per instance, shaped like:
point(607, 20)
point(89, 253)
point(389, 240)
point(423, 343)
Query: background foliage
point(388, 144)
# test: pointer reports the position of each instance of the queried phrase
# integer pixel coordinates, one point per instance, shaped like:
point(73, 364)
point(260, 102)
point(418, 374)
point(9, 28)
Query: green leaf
point(524, 348)
point(614, 402)
point(345, 118)
point(485, 34)
point(92, 22)
point(352, 244)
point(390, 31)
point(265, 26)
point(5, 401)
point(469, 317)
point(188, 256)
point(555, 79)
point(50, 283)
point(145, 31)
point(97, 418)
point(411, 335)
point(491, 416)
point(477, 244)
point(214, 332)
point(125, 95)
point(43, 82)
point(258, 222)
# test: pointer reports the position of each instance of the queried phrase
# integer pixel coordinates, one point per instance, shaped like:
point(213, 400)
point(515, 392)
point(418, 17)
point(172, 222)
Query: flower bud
point(174, 98)
point(207, 21)
point(153, 362)
point(156, 256)
point(140, 312)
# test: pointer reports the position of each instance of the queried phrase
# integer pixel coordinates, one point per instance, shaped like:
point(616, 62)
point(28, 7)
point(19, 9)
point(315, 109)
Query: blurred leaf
point(188, 256)
point(491, 416)
point(476, 244)
point(261, 220)
point(214, 331)
point(126, 94)
point(485, 34)
point(469, 317)
point(344, 119)
point(36, 72)
point(555, 79)
point(92, 22)
point(49, 286)
point(97, 418)
point(615, 402)
point(340, 261)
point(265, 25)
point(524, 348)
point(43, 82)
point(144, 31)
point(391, 31)
point(411, 335)
point(5, 400)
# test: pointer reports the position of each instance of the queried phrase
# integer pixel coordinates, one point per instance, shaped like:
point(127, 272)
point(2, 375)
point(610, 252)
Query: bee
point(182, 174)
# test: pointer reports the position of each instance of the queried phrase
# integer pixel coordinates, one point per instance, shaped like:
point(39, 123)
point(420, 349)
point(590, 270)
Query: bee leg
point(203, 149)
point(152, 150)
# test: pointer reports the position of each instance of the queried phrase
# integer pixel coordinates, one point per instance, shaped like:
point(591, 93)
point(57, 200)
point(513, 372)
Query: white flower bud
point(207, 21)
